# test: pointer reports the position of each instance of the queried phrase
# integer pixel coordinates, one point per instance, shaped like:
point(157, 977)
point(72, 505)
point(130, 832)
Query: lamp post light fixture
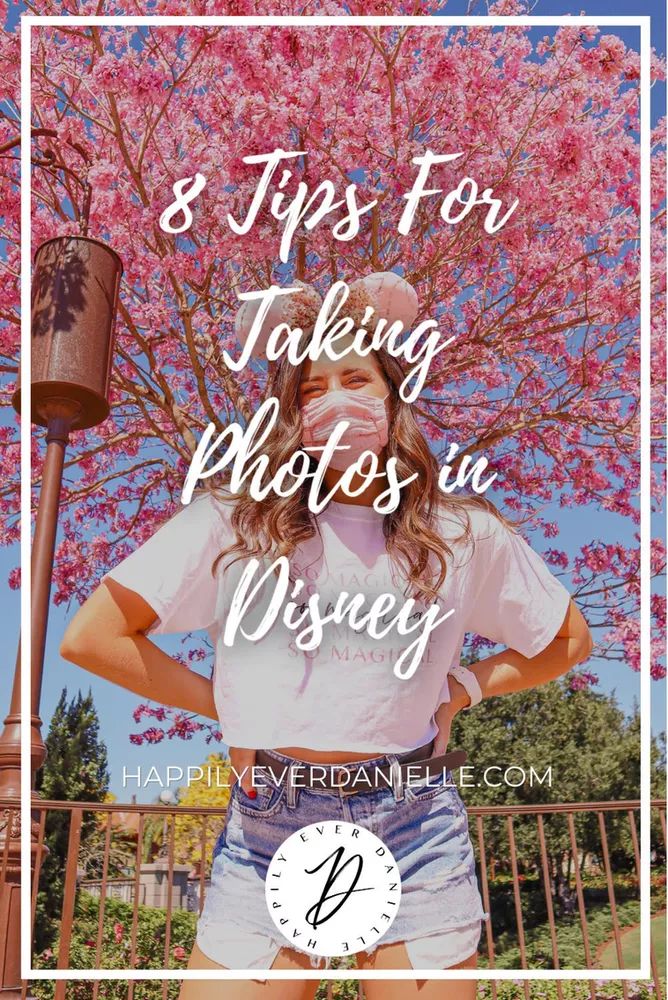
point(74, 301)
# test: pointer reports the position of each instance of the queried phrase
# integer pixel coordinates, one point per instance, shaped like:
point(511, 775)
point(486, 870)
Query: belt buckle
point(339, 772)
point(337, 784)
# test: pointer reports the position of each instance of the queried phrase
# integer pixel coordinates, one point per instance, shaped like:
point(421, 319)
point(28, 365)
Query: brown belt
point(357, 776)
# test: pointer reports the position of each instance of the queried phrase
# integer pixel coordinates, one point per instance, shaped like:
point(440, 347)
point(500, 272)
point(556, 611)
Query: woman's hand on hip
point(446, 712)
point(243, 760)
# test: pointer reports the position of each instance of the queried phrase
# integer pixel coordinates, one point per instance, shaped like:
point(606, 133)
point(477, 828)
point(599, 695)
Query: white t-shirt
point(344, 694)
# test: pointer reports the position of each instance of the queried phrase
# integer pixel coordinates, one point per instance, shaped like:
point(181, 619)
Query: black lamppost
point(75, 286)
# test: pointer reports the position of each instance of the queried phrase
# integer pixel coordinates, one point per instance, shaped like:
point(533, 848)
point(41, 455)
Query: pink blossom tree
point(543, 375)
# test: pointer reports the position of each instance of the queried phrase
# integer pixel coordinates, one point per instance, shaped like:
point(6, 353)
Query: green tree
point(75, 770)
point(593, 752)
point(211, 790)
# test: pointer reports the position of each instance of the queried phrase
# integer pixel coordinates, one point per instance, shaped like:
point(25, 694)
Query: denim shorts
point(424, 825)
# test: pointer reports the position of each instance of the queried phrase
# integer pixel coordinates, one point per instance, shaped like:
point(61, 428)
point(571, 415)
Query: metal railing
point(495, 831)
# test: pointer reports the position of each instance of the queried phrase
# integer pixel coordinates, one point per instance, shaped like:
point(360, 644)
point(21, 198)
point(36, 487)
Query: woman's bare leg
point(249, 989)
point(395, 956)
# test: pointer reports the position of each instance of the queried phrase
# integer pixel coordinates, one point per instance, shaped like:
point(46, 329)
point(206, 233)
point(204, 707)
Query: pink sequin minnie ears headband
point(390, 296)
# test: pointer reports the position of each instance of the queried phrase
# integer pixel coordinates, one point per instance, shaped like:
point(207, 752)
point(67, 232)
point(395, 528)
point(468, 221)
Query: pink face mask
point(367, 416)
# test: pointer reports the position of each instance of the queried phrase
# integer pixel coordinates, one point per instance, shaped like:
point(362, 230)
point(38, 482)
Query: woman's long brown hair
point(276, 525)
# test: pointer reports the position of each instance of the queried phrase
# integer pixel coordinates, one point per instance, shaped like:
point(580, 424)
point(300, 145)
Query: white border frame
point(643, 23)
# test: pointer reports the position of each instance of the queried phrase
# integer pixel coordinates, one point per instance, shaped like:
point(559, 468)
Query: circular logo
point(333, 888)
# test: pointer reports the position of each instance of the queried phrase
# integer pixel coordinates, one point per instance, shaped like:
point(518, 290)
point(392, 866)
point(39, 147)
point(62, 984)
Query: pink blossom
point(582, 680)
point(543, 374)
point(109, 72)
point(570, 153)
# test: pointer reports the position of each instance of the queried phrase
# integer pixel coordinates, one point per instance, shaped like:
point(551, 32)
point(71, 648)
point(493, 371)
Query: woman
point(342, 703)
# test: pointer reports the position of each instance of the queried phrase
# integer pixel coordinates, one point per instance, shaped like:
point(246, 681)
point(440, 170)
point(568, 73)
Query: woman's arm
point(106, 637)
point(509, 671)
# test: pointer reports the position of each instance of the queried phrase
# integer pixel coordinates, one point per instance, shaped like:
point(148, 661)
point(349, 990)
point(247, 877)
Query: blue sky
point(655, 8)
point(115, 705)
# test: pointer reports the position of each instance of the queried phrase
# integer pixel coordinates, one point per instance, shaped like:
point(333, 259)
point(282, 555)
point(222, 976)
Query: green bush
point(538, 942)
point(534, 908)
point(150, 952)
point(570, 990)
point(116, 948)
